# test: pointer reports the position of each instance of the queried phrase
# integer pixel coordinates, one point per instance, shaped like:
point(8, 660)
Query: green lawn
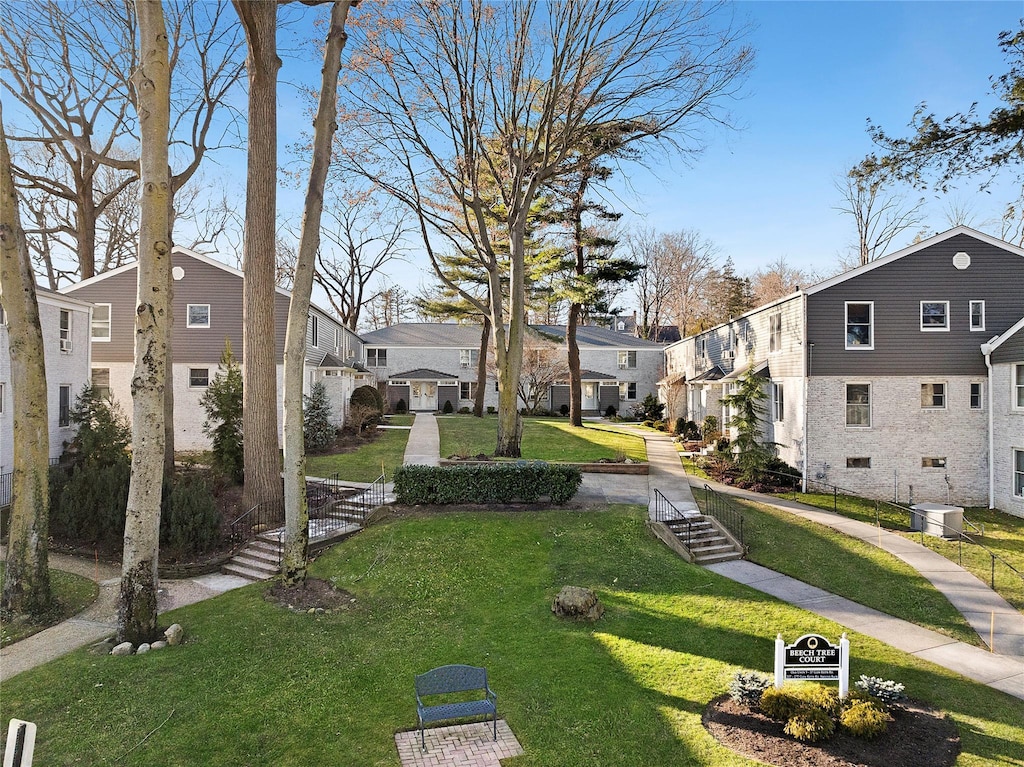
point(72, 593)
point(364, 463)
point(254, 684)
point(544, 439)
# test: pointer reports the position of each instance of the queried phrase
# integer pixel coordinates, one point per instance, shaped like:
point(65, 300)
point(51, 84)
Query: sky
point(767, 189)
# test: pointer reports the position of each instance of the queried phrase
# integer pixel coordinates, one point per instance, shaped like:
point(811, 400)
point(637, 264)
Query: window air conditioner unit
point(728, 354)
point(65, 344)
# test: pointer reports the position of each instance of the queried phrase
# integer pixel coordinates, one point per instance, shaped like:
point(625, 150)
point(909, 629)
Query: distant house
point(903, 378)
point(208, 312)
point(65, 323)
point(664, 334)
point(427, 364)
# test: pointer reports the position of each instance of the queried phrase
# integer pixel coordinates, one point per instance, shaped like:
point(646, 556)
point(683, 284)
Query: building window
point(198, 378)
point(700, 348)
point(101, 382)
point(314, 333)
point(858, 404)
point(933, 395)
point(3, 315)
point(337, 340)
point(198, 316)
point(1018, 473)
point(935, 315)
point(64, 402)
point(467, 389)
point(101, 322)
point(627, 390)
point(778, 402)
point(775, 333)
point(977, 315)
point(377, 358)
point(65, 330)
point(976, 396)
point(468, 358)
point(1, 397)
point(858, 463)
point(860, 325)
point(933, 463)
point(1018, 386)
point(627, 360)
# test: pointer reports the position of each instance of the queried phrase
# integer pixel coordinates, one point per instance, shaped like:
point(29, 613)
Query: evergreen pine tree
point(316, 418)
point(223, 404)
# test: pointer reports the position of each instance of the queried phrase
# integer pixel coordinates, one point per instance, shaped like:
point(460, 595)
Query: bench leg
point(495, 725)
point(423, 740)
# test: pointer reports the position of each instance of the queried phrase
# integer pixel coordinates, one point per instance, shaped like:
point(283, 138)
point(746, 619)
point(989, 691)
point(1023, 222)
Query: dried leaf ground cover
point(258, 684)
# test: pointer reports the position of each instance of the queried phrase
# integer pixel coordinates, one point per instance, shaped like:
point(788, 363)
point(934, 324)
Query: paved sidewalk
point(424, 445)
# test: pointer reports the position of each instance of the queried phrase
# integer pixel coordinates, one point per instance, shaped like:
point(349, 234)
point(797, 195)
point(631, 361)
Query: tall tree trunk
point(27, 576)
point(85, 237)
point(136, 615)
point(575, 382)
point(259, 366)
point(509, 342)
point(296, 536)
point(169, 337)
point(481, 369)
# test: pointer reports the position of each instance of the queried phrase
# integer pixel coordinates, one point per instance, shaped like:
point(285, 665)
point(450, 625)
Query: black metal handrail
point(260, 518)
point(665, 512)
point(717, 505)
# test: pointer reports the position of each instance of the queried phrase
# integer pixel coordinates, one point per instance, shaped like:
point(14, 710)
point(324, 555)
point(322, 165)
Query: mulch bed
point(313, 594)
point(918, 736)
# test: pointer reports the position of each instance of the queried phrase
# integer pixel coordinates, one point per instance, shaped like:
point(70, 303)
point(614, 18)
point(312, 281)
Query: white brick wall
point(1008, 434)
point(900, 435)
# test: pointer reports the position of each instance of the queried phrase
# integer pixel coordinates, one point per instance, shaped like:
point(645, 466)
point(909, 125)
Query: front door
point(589, 397)
point(423, 396)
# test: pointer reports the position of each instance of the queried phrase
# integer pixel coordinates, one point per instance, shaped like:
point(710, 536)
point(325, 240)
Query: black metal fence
point(717, 505)
point(666, 512)
point(7, 485)
point(261, 518)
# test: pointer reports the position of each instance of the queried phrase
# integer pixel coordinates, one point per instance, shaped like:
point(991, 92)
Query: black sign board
point(812, 657)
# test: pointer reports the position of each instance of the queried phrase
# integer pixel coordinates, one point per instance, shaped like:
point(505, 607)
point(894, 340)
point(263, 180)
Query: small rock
point(629, 460)
point(320, 611)
point(144, 647)
point(102, 648)
point(158, 645)
point(174, 634)
point(577, 603)
point(125, 648)
point(311, 611)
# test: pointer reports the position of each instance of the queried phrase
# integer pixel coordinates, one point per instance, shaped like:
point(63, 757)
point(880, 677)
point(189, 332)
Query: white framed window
point(775, 333)
point(778, 402)
point(858, 405)
point(977, 395)
point(977, 310)
point(627, 390)
point(858, 462)
point(198, 378)
point(3, 315)
point(933, 462)
point(100, 322)
point(376, 357)
point(860, 325)
point(1018, 473)
point(101, 381)
point(337, 340)
point(64, 405)
point(1018, 386)
point(468, 358)
point(627, 360)
point(314, 333)
point(933, 395)
point(198, 316)
point(2, 390)
point(934, 315)
point(467, 389)
point(65, 331)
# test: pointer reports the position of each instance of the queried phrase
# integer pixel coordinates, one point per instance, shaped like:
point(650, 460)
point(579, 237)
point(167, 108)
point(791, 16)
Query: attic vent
point(178, 273)
point(961, 260)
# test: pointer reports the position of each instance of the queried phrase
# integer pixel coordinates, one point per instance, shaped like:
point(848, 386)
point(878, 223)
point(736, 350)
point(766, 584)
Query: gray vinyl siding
point(396, 393)
point(1011, 350)
point(448, 394)
point(607, 395)
point(994, 276)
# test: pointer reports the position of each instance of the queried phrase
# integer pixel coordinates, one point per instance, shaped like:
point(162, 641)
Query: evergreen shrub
point(610, 411)
point(747, 687)
point(448, 408)
point(317, 430)
point(501, 483)
point(401, 408)
point(189, 520)
point(864, 719)
point(810, 726)
point(222, 402)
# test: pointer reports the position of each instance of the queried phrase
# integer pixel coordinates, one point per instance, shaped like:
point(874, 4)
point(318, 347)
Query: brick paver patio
point(462, 745)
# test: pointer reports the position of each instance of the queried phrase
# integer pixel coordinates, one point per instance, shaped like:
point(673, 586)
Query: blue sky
point(822, 69)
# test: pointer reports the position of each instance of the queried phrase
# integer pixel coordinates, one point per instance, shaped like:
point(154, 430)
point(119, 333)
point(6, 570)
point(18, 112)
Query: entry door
point(424, 396)
point(589, 397)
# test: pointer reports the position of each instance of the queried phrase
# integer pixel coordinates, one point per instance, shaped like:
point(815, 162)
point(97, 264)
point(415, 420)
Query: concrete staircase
point(259, 560)
point(708, 543)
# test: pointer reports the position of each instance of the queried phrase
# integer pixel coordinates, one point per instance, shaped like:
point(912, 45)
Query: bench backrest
point(455, 678)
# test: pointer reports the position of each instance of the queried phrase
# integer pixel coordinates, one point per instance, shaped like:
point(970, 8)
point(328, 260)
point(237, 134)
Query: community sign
point(813, 657)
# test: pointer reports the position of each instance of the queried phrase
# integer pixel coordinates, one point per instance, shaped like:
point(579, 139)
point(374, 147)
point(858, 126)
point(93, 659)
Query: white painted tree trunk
point(26, 576)
point(137, 613)
point(296, 540)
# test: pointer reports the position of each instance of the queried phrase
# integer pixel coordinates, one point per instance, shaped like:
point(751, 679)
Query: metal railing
point(260, 518)
point(7, 485)
point(717, 505)
point(666, 512)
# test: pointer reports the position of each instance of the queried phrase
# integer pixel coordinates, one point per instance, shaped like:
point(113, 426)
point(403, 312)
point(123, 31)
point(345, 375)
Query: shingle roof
point(450, 335)
point(421, 374)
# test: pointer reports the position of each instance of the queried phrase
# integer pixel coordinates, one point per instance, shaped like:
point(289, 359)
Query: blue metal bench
point(446, 680)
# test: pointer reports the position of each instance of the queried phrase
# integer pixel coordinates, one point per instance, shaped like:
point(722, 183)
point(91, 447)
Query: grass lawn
point(544, 439)
point(402, 419)
point(254, 684)
point(73, 593)
point(810, 552)
point(1004, 535)
point(364, 463)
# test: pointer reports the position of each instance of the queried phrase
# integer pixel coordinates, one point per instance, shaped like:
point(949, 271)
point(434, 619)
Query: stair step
point(723, 557)
point(249, 574)
point(713, 549)
point(255, 563)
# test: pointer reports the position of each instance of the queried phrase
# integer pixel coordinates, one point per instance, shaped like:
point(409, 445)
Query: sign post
point(812, 657)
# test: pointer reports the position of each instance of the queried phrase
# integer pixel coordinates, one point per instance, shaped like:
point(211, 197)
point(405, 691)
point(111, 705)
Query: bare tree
point(879, 215)
point(484, 104)
point(776, 280)
point(653, 284)
point(389, 306)
point(365, 237)
point(543, 366)
point(672, 288)
point(26, 587)
point(137, 609)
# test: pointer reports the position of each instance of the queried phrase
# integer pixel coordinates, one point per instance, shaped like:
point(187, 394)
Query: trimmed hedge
point(501, 483)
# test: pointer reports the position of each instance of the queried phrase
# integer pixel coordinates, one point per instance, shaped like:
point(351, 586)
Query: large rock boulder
point(174, 634)
point(577, 603)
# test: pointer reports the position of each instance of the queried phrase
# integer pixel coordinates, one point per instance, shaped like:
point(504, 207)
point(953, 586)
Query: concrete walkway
point(424, 445)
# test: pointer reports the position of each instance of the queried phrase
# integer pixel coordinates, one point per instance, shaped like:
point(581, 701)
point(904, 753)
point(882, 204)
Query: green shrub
point(88, 503)
point(464, 411)
point(317, 430)
point(564, 410)
point(103, 430)
point(448, 408)
point(367, 397)
point(821, 697)
point(400, 407)
point(189, 520)
point(780, 704)
point(884, 689)
point(501, 483)
point(687, 430)
point(709, 428)
point(864, 719)
point(222, 402)
point(610, 411)
point(747, 687)
point(659, 425)
point(491, 410)
point(810, 726)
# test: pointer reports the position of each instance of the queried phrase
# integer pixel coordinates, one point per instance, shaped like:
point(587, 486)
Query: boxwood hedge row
point(520, 482)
